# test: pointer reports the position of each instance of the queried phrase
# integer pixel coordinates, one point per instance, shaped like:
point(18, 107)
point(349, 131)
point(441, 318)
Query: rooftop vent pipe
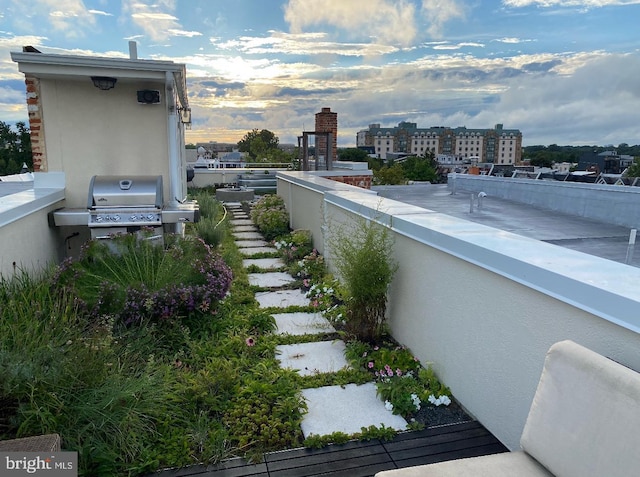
point(133, 50)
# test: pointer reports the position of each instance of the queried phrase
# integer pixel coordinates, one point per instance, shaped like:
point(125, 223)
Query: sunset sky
point(561, 71)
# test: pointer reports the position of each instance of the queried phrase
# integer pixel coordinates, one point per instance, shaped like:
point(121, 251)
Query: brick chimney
point(326, 121)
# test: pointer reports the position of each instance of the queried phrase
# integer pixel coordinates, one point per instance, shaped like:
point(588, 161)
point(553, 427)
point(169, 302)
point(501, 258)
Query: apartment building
point(497, 145)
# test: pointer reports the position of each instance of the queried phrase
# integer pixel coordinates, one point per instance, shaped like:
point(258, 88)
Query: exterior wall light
point(104, 82)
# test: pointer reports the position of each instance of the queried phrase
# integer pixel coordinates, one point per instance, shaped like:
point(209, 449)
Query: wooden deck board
point(360, 459)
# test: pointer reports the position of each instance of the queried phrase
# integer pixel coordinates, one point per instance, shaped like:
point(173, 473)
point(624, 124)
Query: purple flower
point(370, 364)
point(250, 341)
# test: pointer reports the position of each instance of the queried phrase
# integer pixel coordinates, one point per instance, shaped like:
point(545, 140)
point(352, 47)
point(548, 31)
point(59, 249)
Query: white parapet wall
point(613, 204)
point(27, 239)
point(481, 305)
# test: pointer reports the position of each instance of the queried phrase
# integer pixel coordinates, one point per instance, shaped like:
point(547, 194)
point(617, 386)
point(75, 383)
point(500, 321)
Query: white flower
point(442, 400)
point(388, 406)
point(416, 401)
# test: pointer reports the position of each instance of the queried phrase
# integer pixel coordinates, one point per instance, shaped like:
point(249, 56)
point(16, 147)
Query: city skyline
point(562, 72)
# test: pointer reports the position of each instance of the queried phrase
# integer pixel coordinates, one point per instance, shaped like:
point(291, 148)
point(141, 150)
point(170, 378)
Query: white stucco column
point(173, 143)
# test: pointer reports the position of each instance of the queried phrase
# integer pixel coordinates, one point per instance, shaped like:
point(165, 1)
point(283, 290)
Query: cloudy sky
point(561, 71)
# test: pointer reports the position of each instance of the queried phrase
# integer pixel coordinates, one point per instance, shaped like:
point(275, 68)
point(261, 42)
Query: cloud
point(457, 46)
point(394, 22)
point(156, 18)
point(69, 17)
point(188, 34)
point(439, 12)
point(302, 44)
point(512, 40)
point(569, 3)
point(596, 104)
point(100, 12)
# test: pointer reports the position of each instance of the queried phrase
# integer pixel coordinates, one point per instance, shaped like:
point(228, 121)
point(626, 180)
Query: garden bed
point(152, 360)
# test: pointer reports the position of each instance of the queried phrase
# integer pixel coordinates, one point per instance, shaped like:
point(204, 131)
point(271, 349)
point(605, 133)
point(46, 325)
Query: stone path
point(331, 408)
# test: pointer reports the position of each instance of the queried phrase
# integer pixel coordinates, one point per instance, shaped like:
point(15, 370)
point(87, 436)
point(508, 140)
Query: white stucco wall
point(303, 195)
point(483, 305)
point(92, 132)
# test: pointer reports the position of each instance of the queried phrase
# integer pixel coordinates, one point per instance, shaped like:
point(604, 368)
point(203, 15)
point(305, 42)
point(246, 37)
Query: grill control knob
point(115, 218)
point(99, 218)
point(150, 217)
point(133, 218)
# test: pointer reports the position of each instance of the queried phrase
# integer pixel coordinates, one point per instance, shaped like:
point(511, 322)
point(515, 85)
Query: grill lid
point(125, 191)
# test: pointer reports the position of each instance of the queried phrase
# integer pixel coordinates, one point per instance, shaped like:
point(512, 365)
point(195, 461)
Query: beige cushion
point(585, 417)
point(508, 464)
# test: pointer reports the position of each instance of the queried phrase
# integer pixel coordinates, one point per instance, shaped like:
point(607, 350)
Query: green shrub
point(363, 259)
point(210, 231)
point(270, 216)
point(145, 282)
point(208, 205)
point(311, 267)
point(295, 246)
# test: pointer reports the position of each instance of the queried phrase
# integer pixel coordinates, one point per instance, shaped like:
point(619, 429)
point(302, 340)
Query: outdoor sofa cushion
point(585, 417)
point(507, 464)
point(584, 422)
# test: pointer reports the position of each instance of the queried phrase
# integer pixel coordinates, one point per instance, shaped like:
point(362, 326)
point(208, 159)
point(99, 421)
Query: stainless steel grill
point(120, 204)
point(125, 201)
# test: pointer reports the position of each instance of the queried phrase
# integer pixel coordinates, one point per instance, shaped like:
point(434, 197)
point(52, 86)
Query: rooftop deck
point(569, 231)
point(360, 459)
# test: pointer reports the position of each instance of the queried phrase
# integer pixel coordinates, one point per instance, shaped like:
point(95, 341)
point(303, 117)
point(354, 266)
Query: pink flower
point(390, 372)
point(314, 303)
point(250, 341)
point(370, 364)
point(399, 372)
point(375, 348)
point(387, 367)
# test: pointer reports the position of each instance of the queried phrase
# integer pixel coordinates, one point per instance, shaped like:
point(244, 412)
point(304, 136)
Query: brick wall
point(34, 108)
point(359, 181)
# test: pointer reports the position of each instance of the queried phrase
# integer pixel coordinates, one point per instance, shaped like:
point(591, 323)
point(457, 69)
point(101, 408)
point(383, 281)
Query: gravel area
point(432, 416)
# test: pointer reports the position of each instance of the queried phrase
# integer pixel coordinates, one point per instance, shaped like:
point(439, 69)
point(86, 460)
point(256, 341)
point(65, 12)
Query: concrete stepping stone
point(313, 358)
point(270, 279)
point(346, 409)
point(245, 228)
point(252, 243)
point(301, 323)
point(263, 263)
point(249, 251)
point(247, 236)
point(236, 222)
point(282, 298)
